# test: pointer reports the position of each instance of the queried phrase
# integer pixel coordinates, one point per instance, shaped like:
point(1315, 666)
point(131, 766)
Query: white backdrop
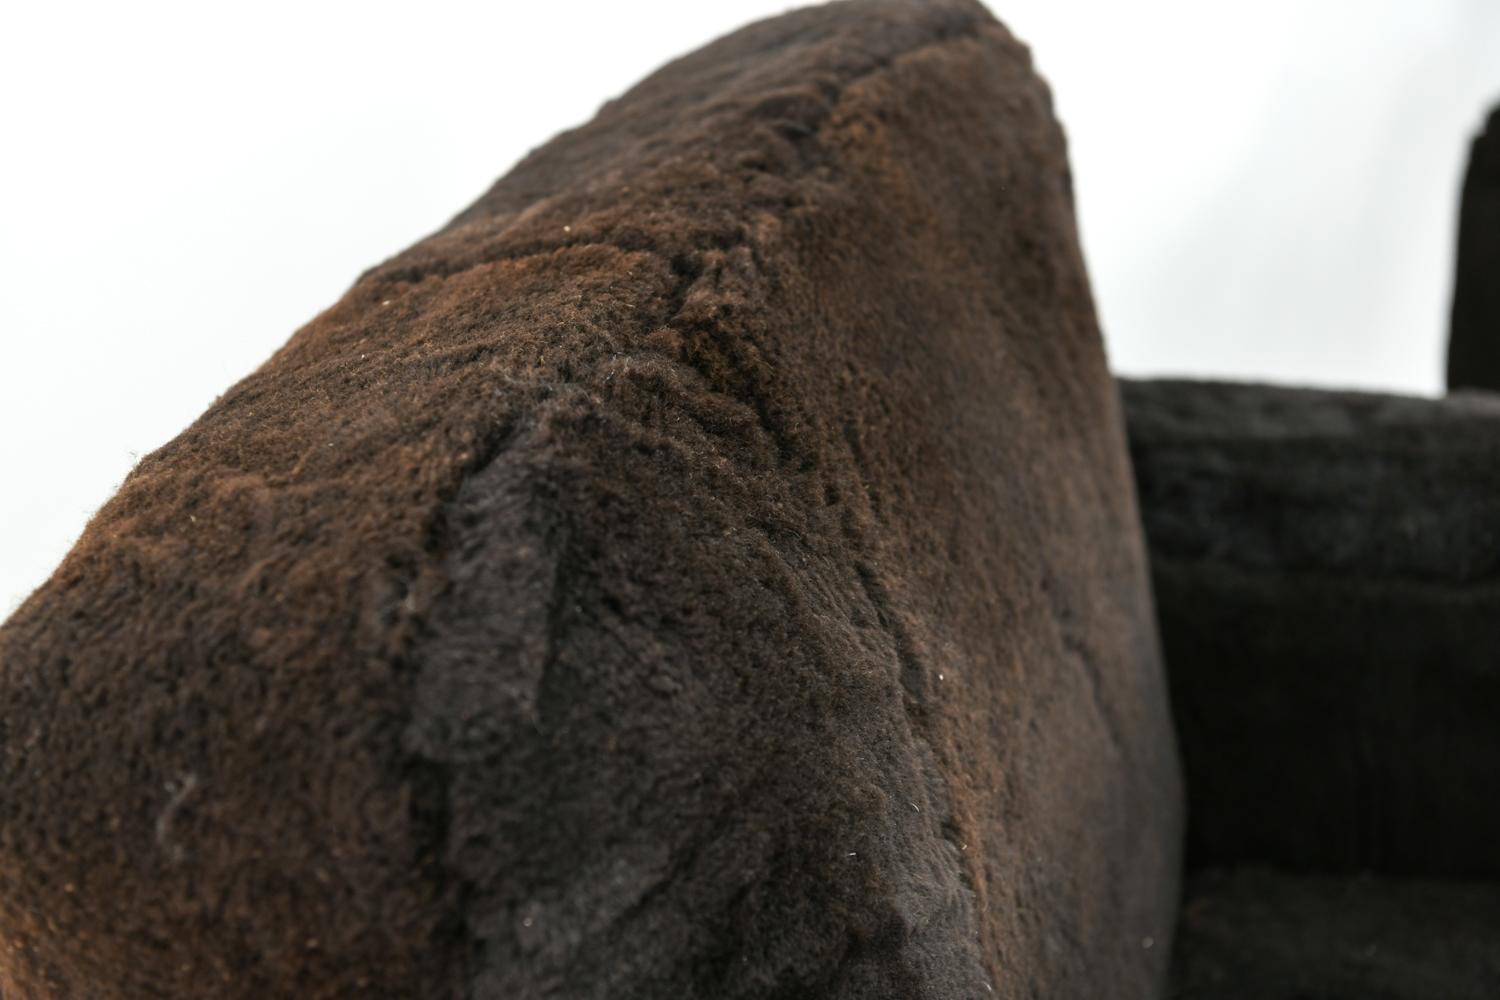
point(1266, 190)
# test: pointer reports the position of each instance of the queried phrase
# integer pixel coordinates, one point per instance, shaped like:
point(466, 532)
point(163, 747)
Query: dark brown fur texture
point(1327, 571)
point(1255, 934)
point(1326, 568)
point(706, 568)
point(1474, 344)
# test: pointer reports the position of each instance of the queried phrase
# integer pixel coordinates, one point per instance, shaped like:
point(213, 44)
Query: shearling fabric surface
point(707, 568)
point(1474, 344)
point(1257, 934)
point(1326, 567)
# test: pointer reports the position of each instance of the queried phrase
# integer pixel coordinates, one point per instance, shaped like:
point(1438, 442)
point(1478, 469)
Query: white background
point(1266, 190)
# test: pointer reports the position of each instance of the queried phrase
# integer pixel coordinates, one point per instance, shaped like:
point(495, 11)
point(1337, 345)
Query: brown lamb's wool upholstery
point(1325, 568)
point(1257, 934)
point(1474, 347)
point(707, 568)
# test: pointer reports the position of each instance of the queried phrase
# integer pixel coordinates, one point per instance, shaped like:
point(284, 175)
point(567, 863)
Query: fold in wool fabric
point(708, 567)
